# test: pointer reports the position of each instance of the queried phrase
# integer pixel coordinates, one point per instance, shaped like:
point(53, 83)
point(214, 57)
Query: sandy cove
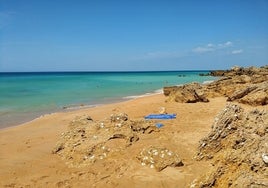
point(26, 159)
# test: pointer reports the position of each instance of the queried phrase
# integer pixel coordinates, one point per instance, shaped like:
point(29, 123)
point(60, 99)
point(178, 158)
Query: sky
point(125, 35)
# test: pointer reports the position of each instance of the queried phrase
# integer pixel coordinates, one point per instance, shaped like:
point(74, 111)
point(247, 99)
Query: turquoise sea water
point(25, 96)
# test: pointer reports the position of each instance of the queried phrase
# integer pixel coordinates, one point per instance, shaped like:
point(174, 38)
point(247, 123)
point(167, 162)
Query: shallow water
point(24, 96)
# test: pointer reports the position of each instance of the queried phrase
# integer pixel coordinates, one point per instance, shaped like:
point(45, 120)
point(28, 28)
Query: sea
point(25, 96)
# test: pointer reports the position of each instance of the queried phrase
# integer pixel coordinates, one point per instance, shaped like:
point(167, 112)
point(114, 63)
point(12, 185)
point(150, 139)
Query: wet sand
point(26, 159)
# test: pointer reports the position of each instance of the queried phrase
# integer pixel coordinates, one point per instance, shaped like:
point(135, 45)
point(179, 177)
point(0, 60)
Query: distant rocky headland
point(244, 85)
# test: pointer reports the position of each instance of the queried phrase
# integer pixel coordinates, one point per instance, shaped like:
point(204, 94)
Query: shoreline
point(93, 146)
point(81, 108)
point(31, 144)
point(34, 96)
point(73, 107)
point(35, 140)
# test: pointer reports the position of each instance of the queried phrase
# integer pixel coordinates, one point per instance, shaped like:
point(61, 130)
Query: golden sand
point(26, 159)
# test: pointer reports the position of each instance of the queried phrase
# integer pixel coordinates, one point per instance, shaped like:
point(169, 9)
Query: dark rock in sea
point(204, 74)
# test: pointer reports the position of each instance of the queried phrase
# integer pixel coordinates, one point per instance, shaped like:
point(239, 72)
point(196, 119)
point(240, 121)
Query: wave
point(208, 81)
point(158, 91)
point(78, 106)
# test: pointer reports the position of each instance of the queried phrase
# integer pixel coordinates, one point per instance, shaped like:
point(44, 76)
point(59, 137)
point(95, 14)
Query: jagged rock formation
point(237, 147)
point(237, 71)
point(89, 141)
point(255, 94)
point(244, 85)
point(189, 93)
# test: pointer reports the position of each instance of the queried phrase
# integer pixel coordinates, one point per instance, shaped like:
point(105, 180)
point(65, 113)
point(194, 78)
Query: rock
point(265, 158)
point(86, 141)
point(234, 71)
point(244, 85)
point(241, 93)
point(162, 110)
point(119, 117)
point(189, 93)
point(237, 149)
point(159, 158)
point(256, 94)
point(168, 90)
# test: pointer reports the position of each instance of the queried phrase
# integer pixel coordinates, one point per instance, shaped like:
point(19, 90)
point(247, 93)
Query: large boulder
point(189, 93)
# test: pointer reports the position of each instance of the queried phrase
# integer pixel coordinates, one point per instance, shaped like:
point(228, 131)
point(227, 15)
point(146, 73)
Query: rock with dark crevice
point(236, 147)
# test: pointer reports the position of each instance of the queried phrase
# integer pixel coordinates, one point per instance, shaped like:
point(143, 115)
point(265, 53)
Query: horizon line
point(107, 71)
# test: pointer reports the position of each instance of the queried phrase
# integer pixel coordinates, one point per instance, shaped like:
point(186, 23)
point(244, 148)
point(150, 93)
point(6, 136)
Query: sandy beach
point(26, 157)
point(136, 94)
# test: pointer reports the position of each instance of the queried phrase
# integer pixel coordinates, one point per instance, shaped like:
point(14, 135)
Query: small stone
point(170, 153)
point(265, 158)
point(95, 137)
point(102, 125)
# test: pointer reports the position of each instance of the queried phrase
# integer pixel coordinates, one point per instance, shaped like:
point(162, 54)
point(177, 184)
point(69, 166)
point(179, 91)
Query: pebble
point(265, 158)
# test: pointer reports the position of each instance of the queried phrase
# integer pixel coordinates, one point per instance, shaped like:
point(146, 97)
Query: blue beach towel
point(161, 116)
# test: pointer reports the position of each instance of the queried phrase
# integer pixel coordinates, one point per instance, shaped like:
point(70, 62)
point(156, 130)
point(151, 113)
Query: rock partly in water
point(237, 71)
point(244, 85)
point(236, 146)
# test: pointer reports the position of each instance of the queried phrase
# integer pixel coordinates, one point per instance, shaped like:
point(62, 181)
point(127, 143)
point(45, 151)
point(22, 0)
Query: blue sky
point(99, 35)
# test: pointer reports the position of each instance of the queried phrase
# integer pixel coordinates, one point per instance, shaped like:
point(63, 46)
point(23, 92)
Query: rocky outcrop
point(244, 85)
point(238, 71)
point(87, 142)
point(189, 93)
point(255, 94)
point(237, 148)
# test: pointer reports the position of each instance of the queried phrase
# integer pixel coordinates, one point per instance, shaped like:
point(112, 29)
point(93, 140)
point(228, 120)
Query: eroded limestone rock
point(87, 141)
point(189, 93)
point(236, 146)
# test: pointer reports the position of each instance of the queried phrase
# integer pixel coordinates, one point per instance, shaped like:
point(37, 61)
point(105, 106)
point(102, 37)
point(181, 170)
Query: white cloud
point(208, 48)
point(229, 43)
point(212, 47)
point(203, 49)
point(237, 51)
